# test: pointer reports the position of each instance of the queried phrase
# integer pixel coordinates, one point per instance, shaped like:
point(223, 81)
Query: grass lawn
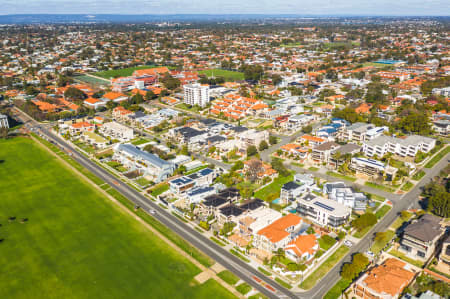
point(228, 75)
point(239, 255)
point(362, 233)
point(160, 189)
point(264, 271)
point(244, 288)
point(323, 269)
point(121, 72)
point(76, 243)
point(377, 197)
point(195, 169)
point(258, 296)
point(407, 186)
point(378, 245)
point(312, 168)
point(228, 277)
point(438, 157)
point(143, 182)
point(341, 176)
point(140, 141)
point(298, 164)
point(418, 175)
point(325, 242)
point(399, 221)
point(337, 289)
point(405, 258)
point(382, 211)
point(283, 283)
point(380, 187)
point(273, 188)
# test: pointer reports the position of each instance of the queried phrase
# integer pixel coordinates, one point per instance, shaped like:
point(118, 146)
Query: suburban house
point(290, 191)
point(253, 137)
point(444, 256)
point(278, 234)
point(94, 103)
point(325, 212)
point(149, 164)
point(346, 196)
point(383, 281)
point(232, 212)
point(203, 177)
point(372, 167)
point(116, 97)
point(302, 248)
point(198, 194)
point(420, 238)
point(254, 221)
point(117, 131)
point(81, 127)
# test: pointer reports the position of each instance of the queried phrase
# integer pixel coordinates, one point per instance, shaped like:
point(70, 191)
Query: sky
point(301, 7)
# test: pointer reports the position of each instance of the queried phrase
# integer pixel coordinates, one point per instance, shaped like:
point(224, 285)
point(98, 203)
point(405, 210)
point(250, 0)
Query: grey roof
point(151, 158)
point(290, 186)
point(360, 127)
point(326, 146)
point(408, 141)
point(426, 228)
point(348, 148)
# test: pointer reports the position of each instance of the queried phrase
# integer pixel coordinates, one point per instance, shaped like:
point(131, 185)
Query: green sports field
point(76, 243)
point(228, 75)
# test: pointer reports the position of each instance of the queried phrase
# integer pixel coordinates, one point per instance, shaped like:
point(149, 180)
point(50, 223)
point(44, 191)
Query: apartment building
point(4, 121)
point(442, 127)
point(404, 147)
point(420, 238)
point(355, 132)
point(323, 211)
point(322, 152)
point(117, 131)
point(385, 281)
point(196, 94)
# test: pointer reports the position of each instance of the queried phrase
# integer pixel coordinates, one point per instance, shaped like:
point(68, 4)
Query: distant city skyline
point(302, 7)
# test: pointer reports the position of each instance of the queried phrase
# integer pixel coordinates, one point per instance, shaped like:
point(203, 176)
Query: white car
point(153, 212)
point(348, 243)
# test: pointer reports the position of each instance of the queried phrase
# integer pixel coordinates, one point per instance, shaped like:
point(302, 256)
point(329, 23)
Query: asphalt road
point(229, 261)
point(234, 264)
point(406, 201)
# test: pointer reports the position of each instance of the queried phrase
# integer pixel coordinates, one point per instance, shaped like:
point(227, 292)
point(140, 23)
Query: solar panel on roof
point(324, 206)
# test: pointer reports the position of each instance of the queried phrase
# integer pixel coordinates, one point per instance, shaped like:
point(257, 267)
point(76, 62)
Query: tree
point(263, 146)
point(307, 129)
point(238, 165)
point(273, 140)
point(74, 94)
point(150, 95)
point(254, 168)
point(351, 270)
point(277, 164)
point(363, 221)
point(251, 150)
point(3, 132)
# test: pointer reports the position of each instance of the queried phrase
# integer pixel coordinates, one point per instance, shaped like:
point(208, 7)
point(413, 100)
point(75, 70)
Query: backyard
point(76, 243)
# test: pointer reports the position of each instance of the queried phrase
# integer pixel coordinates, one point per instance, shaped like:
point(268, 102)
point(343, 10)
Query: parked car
point(348, 243)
